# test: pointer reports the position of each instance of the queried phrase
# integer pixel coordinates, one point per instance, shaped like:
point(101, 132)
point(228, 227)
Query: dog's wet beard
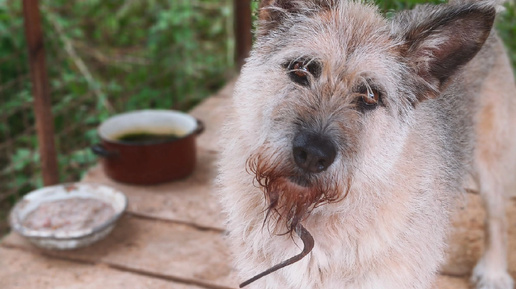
point(308, 245)
point(291, 203)
point(290, 199)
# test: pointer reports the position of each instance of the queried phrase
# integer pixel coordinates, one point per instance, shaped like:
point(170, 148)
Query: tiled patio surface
point(172, 236)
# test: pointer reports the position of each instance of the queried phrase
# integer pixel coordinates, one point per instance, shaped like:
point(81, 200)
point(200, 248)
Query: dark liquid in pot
point(146, 137)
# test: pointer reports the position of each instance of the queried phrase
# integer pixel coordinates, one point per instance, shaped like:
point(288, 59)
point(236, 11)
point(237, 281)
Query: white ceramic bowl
point(65, 240)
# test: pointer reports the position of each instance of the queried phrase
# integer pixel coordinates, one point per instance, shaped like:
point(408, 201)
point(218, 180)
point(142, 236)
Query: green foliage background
point(105, 57)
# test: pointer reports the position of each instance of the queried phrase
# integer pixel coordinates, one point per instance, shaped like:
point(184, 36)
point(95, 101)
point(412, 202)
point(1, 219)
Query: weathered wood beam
point(41, 92)
point(243, 34)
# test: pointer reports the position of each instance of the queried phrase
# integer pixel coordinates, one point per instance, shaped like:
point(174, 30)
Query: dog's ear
point(439, 40)
point(273, 12)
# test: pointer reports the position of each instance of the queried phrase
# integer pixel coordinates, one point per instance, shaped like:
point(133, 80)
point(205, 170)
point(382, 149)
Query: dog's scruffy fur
point(364, 129)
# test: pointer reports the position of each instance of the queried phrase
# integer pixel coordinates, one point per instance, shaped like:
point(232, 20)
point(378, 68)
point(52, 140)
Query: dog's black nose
point(313, 152)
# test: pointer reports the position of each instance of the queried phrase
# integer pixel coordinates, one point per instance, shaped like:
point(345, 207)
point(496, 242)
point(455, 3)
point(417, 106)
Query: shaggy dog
point(352, 134)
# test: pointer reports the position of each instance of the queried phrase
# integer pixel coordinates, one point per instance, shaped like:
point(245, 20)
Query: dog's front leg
point(491, 270)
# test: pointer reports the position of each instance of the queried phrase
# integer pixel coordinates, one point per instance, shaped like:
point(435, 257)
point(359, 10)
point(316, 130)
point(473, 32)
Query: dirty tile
point(447, 282)
point(22, 270)
point(175, 250)
point(212, 113)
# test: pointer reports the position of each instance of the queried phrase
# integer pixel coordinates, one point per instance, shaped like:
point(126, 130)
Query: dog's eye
point(369, 97)
point(300, 71)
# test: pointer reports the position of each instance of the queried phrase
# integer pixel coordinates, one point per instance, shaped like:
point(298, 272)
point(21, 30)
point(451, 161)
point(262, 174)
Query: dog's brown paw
point(485, 277)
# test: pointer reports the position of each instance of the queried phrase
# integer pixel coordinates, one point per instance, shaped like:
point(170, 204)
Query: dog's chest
point(354, 251)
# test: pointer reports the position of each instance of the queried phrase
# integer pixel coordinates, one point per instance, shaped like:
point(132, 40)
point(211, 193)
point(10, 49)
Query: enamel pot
point(149, 161)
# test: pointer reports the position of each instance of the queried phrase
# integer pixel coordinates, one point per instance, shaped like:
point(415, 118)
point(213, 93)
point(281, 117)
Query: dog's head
point(328, 94)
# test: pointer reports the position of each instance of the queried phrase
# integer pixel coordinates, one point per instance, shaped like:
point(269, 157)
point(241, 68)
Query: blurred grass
point(506, 26)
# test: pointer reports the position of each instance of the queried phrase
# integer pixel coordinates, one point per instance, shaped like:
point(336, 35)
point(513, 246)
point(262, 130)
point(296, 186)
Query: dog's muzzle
point(313, 152)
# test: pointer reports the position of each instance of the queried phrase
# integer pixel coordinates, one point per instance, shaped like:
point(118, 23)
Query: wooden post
point(41, 92)
point(243, 34)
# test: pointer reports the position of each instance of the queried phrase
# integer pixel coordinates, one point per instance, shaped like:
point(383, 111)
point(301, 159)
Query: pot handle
point(101, 151)
point(200, 127)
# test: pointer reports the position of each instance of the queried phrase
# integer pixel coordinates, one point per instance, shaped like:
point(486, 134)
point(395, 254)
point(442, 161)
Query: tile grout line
point(186, 223)
point(453, 275)
point(165, 277)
